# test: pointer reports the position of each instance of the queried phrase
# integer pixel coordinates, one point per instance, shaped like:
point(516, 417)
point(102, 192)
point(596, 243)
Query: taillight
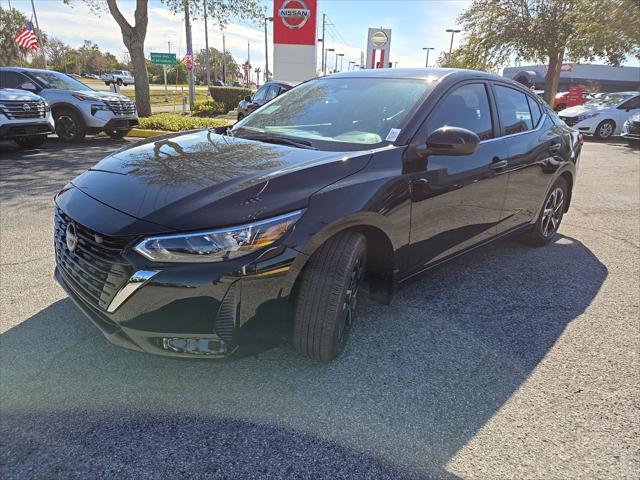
point(580, 139)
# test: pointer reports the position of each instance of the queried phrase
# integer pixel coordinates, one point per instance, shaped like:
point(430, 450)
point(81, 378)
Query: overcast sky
point(415, 24)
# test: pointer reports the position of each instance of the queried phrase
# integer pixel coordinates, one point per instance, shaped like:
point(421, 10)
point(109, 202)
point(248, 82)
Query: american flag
point(25, 38)
point(188, 61)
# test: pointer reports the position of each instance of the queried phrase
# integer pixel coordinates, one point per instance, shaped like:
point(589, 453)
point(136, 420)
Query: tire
point(31, 142)
point(69, 126)
point(117, 134)
point(326, 299)
point(560, 107)
point(604, 130)
point(119, 82)
point(107, 83)
point(124, 84)
point(550, 217)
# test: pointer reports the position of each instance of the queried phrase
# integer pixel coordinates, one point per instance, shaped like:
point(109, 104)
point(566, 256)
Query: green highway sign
point(163, 58)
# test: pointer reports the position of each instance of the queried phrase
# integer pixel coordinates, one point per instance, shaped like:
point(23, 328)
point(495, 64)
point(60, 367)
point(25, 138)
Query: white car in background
point(631, 129)
point(604, 116)
point(118, 77)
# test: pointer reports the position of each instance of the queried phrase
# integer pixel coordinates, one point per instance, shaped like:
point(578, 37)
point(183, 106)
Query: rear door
point(457, 201)
point(536, 148)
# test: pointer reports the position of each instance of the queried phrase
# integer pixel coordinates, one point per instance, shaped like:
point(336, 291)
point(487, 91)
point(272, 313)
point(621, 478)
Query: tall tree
point(553, 31)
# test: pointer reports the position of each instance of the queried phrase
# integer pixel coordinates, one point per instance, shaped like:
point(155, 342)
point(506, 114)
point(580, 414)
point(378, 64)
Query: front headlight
point(584, 116)
point(217, 245)
point(96, 107)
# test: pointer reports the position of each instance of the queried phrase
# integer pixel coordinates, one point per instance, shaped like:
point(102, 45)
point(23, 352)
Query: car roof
point(417, 73)
point(25, 69)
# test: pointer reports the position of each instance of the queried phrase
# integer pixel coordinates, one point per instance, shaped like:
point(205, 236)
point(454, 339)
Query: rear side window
point(260, 94)
point(632, 103)
point(535, 111)
point(513, 109)
point(272, 93)
point(465, 107)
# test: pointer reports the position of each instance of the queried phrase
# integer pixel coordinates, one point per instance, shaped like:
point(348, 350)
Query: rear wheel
point(604, 130)
point(31, 142)
point(550, 217)
point(327, 297)
point(69, 125)
point(107, 83)
point(117, 134)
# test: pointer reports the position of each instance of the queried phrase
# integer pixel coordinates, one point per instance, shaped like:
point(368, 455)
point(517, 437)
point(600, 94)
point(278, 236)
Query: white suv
point(603, 116)
point(118, 77)
point(77, 109)
point(24, 118)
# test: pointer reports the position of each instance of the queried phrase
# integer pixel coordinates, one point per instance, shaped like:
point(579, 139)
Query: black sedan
point(180, 245)
point(264, 94)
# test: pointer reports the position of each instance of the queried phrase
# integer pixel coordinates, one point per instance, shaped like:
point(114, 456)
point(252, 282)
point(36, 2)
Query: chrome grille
point(95, 270)
point(18, 109)
point(125, 107)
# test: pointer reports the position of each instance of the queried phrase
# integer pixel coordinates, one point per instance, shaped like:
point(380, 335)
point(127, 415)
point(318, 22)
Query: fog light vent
point(195, 346)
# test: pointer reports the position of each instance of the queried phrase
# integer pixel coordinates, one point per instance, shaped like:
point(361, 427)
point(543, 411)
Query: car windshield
point(609, 99)
point(338, 113)
point(59, 81)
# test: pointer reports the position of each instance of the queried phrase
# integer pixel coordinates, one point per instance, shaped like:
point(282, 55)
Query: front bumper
point(631, 131)
point(14, 129)
point(192, 310)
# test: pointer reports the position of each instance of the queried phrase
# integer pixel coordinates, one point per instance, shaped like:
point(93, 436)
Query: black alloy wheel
point(548, 223)
point(327, 297)
point(69, 126)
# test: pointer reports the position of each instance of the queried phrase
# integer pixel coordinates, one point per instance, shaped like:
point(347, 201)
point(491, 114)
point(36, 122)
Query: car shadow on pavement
point(418, 380)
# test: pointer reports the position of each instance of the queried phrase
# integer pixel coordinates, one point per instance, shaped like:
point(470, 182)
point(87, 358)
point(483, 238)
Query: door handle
point(498, 164)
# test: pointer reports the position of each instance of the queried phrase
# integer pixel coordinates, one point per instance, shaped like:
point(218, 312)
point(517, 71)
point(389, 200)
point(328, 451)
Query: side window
point(260, 94)
point(513, 110)
point(534, 108)
point(272, 93)
point(465, 107)
point(14, 79)
point(631, 103)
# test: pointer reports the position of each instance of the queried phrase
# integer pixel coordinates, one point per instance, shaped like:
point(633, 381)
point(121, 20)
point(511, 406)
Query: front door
point(457, 201)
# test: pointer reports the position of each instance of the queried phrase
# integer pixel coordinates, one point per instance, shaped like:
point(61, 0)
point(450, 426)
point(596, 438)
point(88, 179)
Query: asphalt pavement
point(509, 362)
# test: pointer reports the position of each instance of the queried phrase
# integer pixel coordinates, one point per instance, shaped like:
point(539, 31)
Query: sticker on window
point(393, 134)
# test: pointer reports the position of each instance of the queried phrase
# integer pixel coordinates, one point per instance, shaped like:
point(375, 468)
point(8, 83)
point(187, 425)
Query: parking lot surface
point(510, 362)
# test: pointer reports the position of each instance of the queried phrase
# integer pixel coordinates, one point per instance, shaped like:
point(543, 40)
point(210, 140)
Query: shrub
point(208, 108)
point(173, 122)
point(229, 96)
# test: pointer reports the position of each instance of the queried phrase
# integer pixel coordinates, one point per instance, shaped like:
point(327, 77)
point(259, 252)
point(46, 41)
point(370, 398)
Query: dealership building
point(604, 78)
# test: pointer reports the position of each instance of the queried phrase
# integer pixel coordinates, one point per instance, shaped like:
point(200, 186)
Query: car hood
point(101, 96)
point(13, 94)
point(580, 109)
point(199, 179)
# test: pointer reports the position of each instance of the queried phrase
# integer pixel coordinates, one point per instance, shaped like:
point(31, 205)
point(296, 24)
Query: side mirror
point(29, 86)
point(247, 99)
point(453, 141)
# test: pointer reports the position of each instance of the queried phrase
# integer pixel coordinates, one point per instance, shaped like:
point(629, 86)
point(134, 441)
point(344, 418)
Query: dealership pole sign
point(378, 47)
point(294, 39)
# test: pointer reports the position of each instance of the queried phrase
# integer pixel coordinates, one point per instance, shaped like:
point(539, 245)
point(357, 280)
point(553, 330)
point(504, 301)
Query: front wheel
point(31, 142)
point(550, 217)
point(119, 82)
point(69, 126)
point(107, 83)
point(604, 131)
point(117, 134)
point(327, 296)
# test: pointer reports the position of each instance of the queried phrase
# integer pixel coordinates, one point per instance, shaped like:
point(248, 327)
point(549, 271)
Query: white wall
point(294, 63)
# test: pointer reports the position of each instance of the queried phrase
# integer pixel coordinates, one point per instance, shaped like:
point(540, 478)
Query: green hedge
point(208, 108)
point(229, 96)
point(173, 122)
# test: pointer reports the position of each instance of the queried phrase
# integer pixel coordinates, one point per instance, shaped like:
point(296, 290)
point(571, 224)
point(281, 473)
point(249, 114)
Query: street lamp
point(426, 65)
point(326, 50)
point(335, 69)
point(266, 49)
point(452, 32)
point(351, 62)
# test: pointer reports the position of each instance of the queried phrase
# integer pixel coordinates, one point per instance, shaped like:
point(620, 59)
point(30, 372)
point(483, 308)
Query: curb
point(142, 133)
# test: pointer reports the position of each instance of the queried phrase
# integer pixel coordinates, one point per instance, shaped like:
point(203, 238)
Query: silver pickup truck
point(118, 77)
point(24, 118)
point(77, 109)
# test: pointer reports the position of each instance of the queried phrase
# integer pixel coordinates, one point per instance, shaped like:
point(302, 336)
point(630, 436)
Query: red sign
point(294, 22)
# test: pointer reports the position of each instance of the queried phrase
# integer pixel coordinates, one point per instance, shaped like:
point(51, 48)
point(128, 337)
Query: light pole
point(335, 68)
point(326, 50)
point(351, 62)
point(452, 32)
point(341, 55)
point(426, 64)
point(266, 49)
point(395, 64)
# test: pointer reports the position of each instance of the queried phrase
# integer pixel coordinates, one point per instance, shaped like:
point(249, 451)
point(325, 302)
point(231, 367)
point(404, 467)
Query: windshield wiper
point(280, 140)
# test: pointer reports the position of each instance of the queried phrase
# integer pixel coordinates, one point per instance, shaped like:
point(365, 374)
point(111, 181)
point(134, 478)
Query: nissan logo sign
point(26, 107)
point(294, 14)
point(379, 39)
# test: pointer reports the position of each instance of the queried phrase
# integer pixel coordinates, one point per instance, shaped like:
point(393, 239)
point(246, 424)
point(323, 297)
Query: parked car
point(604, 116)
point(265, 93)
point(574, 97)
point(185, 244)
point(631, 129)
point(118, 77)
point(24, 117)
point(77, 108)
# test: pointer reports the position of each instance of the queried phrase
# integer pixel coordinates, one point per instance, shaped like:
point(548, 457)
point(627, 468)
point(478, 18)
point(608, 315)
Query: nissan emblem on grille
point(71, 237)
point(26, 107)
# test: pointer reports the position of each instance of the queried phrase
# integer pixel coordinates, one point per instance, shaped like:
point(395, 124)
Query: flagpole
point(35, 17)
